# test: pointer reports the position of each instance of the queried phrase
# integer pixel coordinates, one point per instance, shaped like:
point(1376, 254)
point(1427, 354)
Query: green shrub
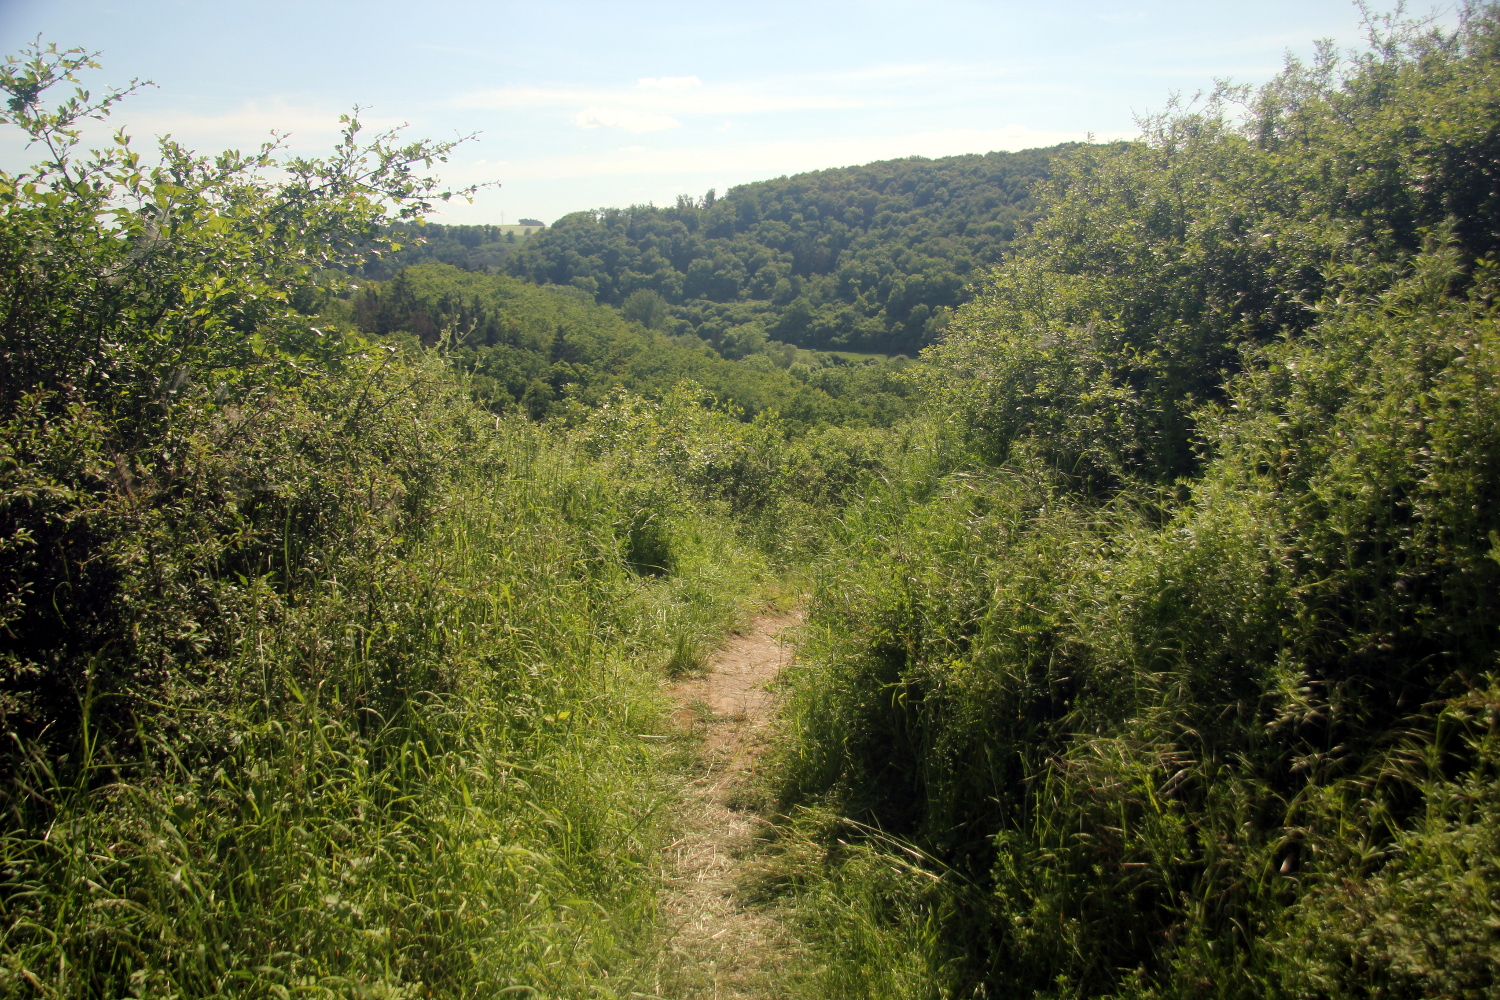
point(1155, 261)
point(315, 676)
point(1180, 687)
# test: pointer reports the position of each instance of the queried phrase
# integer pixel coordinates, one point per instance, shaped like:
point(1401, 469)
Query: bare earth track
point(719, 949)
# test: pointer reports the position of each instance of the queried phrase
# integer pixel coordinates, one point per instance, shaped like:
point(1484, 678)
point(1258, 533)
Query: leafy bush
point(1179, 686)
point(1155, 261)
point(315, 676)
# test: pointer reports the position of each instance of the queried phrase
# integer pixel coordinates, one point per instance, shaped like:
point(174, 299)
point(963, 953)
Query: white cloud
point(660, 102)
point(249, 125)
point(629, 121)
point(669, 82)
point(772, 158)
point(301, 128)
point(697, 98)
point(548, 186)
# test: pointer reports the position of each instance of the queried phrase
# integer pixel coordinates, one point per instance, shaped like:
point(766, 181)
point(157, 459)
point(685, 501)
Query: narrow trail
point(719, 949)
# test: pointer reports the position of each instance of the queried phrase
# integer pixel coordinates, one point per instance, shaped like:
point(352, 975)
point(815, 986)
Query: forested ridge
point(868, 258)
point(1151, 614)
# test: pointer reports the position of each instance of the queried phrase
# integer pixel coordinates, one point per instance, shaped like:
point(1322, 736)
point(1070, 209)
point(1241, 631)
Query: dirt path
point(719, 949)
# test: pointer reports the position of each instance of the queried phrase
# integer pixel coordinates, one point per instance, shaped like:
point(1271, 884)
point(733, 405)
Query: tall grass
point(1183, 685)
point(315, 677)
point(420, 772)
point(1178, 739)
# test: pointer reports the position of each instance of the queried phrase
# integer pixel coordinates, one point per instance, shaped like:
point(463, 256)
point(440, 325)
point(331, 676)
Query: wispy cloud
point(658, 102)
point(249, 124)
point(785, 156)
point(300, 127)
point(548, 186)
point(629, 121)
point(682, 99)
point(669, 82)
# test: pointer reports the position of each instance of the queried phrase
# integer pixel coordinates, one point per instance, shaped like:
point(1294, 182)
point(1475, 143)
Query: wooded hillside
point(551, 348)
point(869, 258)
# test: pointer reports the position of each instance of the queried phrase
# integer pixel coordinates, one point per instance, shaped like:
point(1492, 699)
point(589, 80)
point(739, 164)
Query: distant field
point(858, 356)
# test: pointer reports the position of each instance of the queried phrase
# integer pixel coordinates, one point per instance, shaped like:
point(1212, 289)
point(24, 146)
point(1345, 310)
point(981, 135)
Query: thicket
point(869, 258)
point(316, 675)
point(1183, 683)
point(1158, 661)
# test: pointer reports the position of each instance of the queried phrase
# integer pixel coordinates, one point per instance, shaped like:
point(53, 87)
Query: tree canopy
point(544, 349)
point(869, 258)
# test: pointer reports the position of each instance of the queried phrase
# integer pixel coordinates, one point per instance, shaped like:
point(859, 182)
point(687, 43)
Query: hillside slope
point(538, 348)
point(472, 248)
point(863, 258)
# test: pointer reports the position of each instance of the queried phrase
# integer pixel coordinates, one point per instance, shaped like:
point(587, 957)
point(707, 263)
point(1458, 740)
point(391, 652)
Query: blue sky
point(583, 104)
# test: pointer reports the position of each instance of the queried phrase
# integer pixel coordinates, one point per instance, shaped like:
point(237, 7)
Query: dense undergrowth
point(1157, 659)
point(1182, 684)
point(316, 675)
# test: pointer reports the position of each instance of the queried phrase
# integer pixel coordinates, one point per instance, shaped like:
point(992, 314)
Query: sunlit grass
point(432, 783)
